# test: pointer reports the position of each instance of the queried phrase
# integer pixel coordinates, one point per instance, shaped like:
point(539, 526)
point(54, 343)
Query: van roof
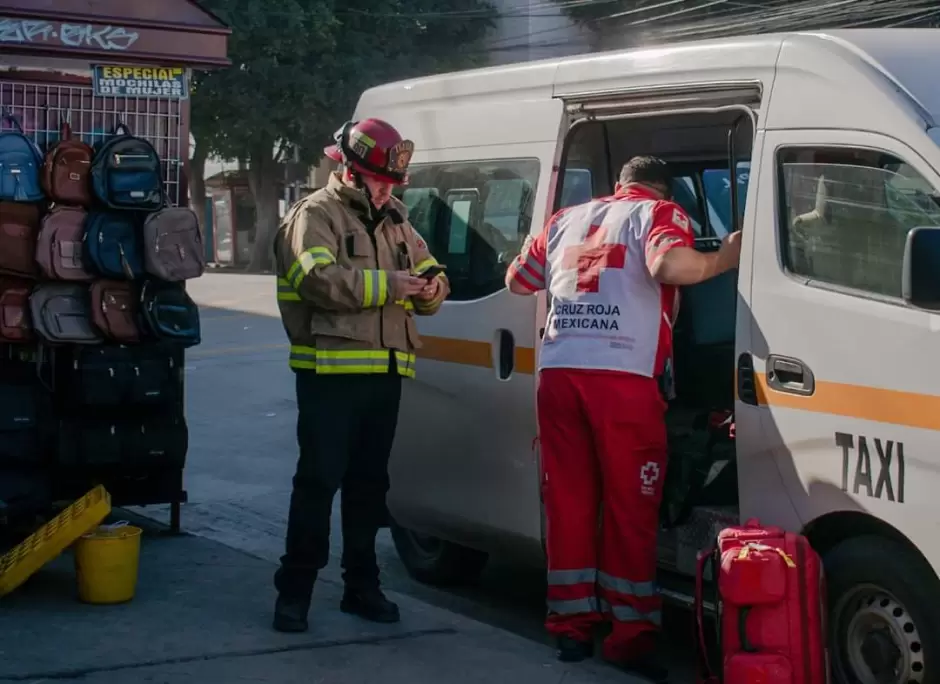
point(910, 58)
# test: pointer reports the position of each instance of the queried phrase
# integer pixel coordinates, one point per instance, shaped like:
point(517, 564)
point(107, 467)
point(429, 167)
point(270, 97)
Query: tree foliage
point(298, 67)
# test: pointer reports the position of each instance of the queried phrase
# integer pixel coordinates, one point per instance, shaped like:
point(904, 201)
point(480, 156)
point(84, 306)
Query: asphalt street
point(241, 413)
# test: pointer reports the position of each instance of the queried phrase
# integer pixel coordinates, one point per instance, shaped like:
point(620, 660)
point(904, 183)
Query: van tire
point(880, 581)
point(437, 562)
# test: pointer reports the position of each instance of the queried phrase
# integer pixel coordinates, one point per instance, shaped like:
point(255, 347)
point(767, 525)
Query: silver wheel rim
point(877, 641)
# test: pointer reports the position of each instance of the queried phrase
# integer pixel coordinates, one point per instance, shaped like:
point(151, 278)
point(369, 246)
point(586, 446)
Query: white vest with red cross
point(607, 311)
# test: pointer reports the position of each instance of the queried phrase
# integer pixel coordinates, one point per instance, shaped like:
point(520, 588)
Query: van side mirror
point(920, 277)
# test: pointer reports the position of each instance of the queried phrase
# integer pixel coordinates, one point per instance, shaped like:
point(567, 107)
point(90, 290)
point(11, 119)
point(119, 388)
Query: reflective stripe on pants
point(603, 453)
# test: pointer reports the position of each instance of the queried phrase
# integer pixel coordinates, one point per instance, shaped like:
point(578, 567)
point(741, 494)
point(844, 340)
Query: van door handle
point(505, 356)
point(785, 374)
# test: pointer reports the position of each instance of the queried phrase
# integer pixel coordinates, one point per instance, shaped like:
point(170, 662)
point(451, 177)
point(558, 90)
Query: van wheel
point(882, 626)
point(431, 560)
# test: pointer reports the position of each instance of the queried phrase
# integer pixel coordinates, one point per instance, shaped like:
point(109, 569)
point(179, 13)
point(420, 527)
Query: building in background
point(528, 30)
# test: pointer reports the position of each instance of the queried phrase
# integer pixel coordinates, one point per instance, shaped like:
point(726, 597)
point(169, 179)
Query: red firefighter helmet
point(373, 148)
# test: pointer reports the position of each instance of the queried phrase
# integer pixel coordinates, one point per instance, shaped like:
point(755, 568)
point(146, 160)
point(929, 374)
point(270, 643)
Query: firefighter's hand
point(402, 284)
point(430, 290)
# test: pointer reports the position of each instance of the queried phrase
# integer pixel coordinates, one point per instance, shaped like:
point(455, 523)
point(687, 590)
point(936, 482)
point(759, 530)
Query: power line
point(736, 17)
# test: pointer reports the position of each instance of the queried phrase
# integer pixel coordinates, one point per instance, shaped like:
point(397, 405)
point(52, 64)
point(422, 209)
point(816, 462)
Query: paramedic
point(612, 267)
point(348, 282)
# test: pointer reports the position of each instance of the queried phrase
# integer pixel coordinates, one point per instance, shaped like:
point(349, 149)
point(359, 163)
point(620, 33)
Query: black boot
point(571, 650)
point(290, 613)
point(293, 601)
point(369, 604)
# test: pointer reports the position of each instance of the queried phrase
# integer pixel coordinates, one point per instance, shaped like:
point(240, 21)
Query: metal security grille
point(41, 107)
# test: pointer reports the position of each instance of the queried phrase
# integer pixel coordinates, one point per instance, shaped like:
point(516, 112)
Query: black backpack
point(126, 173)
point(169, 314)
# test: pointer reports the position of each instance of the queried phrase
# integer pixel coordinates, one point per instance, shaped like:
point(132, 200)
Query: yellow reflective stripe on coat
point(286, 291)
point(374, 288)
point(407, 303)
point(339, 362)
point(425, 265)
point(315, 256)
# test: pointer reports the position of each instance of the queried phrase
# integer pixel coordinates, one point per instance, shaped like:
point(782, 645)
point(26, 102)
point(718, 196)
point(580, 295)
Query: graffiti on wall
point(92, 36)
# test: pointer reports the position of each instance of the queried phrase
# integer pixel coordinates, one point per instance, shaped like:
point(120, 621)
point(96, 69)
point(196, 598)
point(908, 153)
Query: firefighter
point(612, 267)
point(349, 268)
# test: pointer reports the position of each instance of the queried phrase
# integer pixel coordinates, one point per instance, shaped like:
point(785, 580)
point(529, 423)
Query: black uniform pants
point(345, 429)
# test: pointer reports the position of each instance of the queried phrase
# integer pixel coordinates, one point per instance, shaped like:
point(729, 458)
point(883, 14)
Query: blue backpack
point(126, 173)
point(20, 165)
point(113, 246)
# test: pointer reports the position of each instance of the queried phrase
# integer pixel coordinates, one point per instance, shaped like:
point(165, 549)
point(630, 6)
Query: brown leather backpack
point(66, 171)
point(59, 246)
point(114, 310)
point(19, 227)
point(16, 322)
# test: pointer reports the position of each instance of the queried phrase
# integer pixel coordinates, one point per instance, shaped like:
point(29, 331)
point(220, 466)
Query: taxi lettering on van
point(858, 450)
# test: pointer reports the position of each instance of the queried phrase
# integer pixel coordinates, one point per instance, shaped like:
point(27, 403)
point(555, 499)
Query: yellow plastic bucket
point(106, 563)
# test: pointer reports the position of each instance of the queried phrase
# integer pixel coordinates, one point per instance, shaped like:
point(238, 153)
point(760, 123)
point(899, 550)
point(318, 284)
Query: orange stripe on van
point(472, 353)
point(834, 398)
point(858, 401)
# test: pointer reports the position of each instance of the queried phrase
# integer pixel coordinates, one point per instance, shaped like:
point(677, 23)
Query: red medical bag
point(771, 596)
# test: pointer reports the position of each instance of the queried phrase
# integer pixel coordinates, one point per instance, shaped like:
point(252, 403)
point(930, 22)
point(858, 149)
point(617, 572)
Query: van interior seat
point(505, 203)
point(704, 343)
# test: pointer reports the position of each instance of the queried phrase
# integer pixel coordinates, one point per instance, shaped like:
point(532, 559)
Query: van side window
point(577, 188)
point(474, 217)
point(717, 185)
point(846, 213)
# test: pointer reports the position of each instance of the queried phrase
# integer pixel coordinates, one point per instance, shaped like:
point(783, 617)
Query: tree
point(298, 69)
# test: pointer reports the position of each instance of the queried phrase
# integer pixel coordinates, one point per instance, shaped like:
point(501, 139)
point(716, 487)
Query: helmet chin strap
point(362, 187)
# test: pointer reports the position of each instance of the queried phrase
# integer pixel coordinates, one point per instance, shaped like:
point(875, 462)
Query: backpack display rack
point(94, 322)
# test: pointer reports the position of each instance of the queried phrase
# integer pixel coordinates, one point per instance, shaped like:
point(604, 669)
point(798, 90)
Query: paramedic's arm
point(432, 295)
point(670, 253)
point(310, 250)
point(526, 273)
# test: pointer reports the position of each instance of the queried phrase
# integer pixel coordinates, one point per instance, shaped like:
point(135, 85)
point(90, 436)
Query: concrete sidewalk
point(202, 614)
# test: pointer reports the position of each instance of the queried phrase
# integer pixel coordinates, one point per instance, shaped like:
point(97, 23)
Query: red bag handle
point(707, 674)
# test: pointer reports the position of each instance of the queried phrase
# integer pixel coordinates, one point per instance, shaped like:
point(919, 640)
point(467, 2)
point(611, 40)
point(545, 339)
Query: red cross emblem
point(592, 256)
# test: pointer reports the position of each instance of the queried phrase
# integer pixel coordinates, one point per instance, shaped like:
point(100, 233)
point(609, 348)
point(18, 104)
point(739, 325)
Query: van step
point(679, 591)
point(679, 546)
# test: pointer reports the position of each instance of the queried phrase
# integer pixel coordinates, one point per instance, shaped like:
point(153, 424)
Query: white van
point(824, 148)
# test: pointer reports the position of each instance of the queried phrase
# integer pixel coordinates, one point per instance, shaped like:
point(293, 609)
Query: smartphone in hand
point(432, 272)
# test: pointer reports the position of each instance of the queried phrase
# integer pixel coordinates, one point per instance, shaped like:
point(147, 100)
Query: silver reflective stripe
point(573, 606)
point(302, 356)
point(380, 362)
point(569, 577)
point(528, 277)
point(626, 587)
point(628, 614)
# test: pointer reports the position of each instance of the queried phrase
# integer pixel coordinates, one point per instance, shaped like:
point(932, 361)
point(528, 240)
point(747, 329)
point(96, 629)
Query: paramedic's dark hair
point(646, 170)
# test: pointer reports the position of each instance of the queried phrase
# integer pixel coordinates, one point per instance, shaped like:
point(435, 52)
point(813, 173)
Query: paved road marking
point(239, 314)
point(210, 353)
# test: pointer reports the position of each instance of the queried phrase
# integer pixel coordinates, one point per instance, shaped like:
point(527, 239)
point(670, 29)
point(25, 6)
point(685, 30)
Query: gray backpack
point(173, 249)
point(62, 314)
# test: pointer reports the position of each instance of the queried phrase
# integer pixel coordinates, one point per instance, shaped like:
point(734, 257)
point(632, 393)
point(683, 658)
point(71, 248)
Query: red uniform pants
point(603, 448)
